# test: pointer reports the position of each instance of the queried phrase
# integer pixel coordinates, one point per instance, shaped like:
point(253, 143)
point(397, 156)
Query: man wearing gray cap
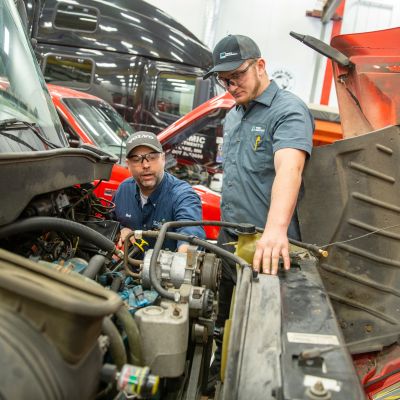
point(153, 196)
point(267, 138)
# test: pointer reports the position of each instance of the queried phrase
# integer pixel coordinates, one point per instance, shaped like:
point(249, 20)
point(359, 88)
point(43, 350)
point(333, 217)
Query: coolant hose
point(57, 224)
point(132, 333)
point(117, 349)
point(116, 284)
point(96, 263)
point(200, 242)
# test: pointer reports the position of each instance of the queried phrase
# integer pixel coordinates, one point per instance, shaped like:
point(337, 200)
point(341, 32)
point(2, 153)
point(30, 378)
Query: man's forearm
point(285, 190)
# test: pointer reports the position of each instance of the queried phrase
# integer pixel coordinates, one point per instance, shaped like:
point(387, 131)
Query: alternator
point(191, 268)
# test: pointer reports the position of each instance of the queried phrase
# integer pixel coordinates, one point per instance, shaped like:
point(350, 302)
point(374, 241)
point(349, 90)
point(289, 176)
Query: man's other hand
point(183, 248)
point(123, 234)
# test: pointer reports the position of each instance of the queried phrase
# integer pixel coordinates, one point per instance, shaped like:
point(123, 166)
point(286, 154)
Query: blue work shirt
point(172, 200)
point(275, 120)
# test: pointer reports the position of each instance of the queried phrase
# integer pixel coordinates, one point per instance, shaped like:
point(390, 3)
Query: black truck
point(131, 54)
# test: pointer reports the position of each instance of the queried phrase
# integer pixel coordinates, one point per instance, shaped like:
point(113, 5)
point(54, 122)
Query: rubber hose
point(96, 263)
point(200, 242)
point(117, 349)
point(116, 284)
point(57, 224)
point(132, 333)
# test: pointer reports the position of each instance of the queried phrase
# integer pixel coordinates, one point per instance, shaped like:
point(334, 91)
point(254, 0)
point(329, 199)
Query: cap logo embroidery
point(227, 54)
point(138, 137)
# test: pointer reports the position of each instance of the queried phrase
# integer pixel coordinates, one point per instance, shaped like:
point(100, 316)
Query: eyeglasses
point(235, 78)
point(139, 158)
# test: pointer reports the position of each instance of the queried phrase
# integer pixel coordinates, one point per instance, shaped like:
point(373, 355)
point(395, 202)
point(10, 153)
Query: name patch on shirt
point(258, 128)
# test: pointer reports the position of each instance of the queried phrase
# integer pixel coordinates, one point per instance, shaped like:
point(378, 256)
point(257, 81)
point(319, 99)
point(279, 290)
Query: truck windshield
point(23, 97)
point(105, 127)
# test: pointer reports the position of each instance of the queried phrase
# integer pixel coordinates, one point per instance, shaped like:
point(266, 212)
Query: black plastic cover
point(352, 191)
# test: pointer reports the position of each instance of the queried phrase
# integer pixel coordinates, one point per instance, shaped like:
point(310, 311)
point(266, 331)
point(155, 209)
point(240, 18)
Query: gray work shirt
point(275, 120)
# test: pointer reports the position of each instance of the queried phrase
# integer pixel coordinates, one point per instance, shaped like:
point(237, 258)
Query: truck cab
point(131, 54)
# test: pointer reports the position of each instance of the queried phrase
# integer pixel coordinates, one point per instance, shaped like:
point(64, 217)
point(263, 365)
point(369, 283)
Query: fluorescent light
point(146, 39)
point(131, 18)
point(126, 44)
point(6, 41)
point(107, 28)
point(176, 56)
point(176, 40)
point(106, 65)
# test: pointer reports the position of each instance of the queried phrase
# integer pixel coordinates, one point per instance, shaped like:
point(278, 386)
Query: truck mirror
point(202, 91)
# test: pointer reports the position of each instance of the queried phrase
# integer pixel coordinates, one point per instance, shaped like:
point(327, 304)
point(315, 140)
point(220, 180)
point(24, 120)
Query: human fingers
point(257, 259)
point(275, 260)
point(286, 258)
point(266, 260)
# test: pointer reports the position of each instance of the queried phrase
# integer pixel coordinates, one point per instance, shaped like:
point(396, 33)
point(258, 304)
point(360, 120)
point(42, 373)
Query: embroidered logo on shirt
point(258, 129)
point(128, 215)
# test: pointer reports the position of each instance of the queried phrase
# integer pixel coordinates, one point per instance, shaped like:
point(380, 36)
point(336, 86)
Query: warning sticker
point(311, 338)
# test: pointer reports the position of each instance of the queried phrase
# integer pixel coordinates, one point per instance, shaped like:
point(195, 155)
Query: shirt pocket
point(256, 148)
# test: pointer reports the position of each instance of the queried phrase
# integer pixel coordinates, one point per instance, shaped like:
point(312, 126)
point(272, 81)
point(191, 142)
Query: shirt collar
point(153, 196)
point(265, 97)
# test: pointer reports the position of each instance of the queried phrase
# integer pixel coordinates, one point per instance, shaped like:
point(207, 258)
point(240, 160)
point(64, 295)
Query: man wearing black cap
point(153, 196)
point(267, 138)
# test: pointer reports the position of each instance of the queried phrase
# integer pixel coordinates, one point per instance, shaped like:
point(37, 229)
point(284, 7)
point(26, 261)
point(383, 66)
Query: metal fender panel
point(351, 190)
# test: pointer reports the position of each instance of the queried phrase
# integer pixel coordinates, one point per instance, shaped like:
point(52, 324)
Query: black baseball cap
point(230, 53)
point(143, 138)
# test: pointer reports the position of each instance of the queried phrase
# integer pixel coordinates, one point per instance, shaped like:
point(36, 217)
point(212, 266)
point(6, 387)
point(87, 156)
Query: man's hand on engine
point(123, 234)
point(183, 248)
point(269, 248)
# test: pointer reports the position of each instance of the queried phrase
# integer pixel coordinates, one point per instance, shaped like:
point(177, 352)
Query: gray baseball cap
point(231, 52)
point(143, 138)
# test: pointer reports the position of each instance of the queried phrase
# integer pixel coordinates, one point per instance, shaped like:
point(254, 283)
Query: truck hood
point(369, 88)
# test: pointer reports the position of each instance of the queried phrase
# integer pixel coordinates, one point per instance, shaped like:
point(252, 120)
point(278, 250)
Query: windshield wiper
point(18, 140)
point(13, 123)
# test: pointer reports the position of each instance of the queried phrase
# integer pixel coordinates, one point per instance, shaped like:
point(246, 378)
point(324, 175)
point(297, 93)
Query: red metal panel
point(369, 90)
point(327, 84)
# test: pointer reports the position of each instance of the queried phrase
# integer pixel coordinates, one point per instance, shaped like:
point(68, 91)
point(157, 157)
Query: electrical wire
point(360, 237)
point(317, 352)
